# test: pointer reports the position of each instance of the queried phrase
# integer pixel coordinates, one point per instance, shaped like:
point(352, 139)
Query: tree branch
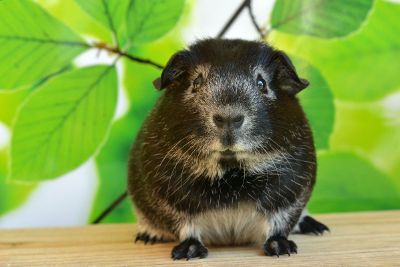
point(260, 30)
point(111, 207)
point(117, 51)
point(233, 18)
point(141, 60)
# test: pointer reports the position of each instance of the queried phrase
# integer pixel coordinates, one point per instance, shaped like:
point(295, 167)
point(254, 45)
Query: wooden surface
point(356, 239)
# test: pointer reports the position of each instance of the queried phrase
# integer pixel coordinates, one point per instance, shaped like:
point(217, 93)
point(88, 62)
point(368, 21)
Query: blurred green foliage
point(346, 50)
point(326, 19)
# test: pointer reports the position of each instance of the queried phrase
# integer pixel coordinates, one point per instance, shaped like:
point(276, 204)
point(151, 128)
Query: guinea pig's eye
point(197, 82)
point(261, 84)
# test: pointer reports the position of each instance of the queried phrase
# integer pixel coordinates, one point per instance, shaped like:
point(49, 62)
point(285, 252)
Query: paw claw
point(190, 248)
point(146, 238)
point(153, 240)
point(278, 245)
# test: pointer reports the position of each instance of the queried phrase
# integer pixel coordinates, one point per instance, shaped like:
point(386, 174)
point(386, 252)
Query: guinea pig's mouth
point(228, 154)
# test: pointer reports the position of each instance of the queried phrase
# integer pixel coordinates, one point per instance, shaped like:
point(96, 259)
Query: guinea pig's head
point(232, 97)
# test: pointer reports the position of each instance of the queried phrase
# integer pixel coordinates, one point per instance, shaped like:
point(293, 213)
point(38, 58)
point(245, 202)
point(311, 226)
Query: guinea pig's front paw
point(279, 245)
point(190, 248)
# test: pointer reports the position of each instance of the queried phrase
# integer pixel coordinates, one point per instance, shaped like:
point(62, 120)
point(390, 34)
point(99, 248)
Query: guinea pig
point(226, 156)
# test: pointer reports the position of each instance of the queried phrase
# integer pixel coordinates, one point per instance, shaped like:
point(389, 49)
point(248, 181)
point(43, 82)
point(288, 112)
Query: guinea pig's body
point(226, 156)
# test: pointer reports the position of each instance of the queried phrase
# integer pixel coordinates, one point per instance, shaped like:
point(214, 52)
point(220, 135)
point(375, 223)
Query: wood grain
point(356, 239)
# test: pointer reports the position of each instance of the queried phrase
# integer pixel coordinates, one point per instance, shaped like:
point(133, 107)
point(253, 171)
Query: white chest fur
point(232, 226)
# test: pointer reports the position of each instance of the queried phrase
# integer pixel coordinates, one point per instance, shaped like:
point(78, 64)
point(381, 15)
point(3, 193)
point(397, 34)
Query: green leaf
point(317, 102)
point(373, 130)
point(346, 182)
point(149, 20)
point(76, 18)
point(11, 195)
point(321, 18)
point(111, 13)
point(360, 67)
point(367, 69)
point(63, 123)
point(33, 44)
point(9, 103)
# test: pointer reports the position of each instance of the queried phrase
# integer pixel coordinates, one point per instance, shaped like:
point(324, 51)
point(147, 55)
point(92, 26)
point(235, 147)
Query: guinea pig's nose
point(228, 121)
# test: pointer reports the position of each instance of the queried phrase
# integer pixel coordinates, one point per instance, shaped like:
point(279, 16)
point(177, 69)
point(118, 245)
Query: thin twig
point(233, 18)
point(260, 31)
point(111, 207)
point(117, 51)
point(141, 60)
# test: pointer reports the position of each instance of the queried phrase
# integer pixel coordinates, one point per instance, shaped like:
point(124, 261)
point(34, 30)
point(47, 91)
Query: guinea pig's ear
point(285, 75)
point(176, 66)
